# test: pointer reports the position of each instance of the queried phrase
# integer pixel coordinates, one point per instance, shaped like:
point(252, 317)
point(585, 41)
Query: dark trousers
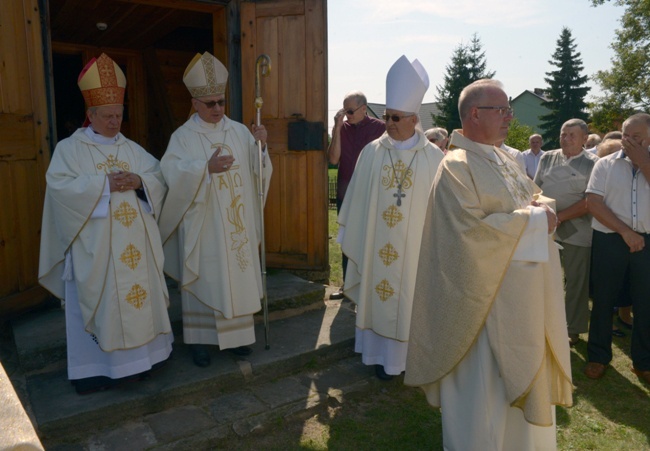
point(344, 258)
point(612, 266)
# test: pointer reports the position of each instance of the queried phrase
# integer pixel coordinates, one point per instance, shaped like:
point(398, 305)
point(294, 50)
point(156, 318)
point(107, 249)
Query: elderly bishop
point(210, 223)
point(100, 245)
point(382, 218)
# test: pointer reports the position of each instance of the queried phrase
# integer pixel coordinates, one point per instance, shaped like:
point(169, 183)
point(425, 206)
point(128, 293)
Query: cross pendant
point(399, 194)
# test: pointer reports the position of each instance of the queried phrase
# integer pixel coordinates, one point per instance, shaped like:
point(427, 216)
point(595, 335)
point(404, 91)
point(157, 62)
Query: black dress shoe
point(618, 333)
point(337, 295)
point(146, 375)
point(94, 384)
point(200, 355)
point(241, 351)
point(381, 373)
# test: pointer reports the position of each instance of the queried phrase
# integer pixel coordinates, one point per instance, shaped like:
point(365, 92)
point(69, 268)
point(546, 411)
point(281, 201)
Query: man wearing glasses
point(488, 332)
point(348, 138)
point(208, 223)
point(381, 220)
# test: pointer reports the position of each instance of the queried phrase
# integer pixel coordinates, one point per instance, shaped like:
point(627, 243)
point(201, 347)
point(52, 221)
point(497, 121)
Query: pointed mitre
point(102, 82)
point(205, 76)
point(406, 84)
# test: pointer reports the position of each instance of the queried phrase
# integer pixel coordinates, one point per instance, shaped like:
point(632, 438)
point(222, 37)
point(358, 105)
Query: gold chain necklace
point(399, 194)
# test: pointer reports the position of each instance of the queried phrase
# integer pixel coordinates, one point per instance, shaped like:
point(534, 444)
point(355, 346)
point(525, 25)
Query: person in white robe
point(210, 222)
point(381, 222)
point(488, 342)
point(100, 246)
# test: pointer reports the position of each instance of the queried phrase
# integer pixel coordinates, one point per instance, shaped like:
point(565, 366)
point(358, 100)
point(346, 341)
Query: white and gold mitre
point(205, 76)
point(102, 82)
point(406, 84)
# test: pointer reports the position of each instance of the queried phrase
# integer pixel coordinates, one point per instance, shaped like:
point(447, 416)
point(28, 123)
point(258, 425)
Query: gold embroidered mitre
point(205, 76)
point(102, 82)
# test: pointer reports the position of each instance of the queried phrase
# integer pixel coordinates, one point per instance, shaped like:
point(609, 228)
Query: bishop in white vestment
point(100, 246)
point(382, 218)
point(210, 222)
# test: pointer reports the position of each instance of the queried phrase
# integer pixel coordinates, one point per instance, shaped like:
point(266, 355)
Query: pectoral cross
point(399, 195)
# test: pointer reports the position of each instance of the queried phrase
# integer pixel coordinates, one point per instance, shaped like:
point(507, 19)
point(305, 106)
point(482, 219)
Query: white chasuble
point(117, 253)
point(210, 227)
point(383, 214)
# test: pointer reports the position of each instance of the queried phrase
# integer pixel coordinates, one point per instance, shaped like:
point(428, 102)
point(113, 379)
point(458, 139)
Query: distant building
point(427, 109)
point(528, 108)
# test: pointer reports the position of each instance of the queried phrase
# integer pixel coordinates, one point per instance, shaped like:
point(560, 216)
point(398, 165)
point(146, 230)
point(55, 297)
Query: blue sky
point(365, 37)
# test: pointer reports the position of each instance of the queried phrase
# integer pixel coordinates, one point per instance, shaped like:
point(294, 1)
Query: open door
point(294, 34)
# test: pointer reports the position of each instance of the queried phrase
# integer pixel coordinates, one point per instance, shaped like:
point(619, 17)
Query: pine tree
point(567, 89)
point(467, 65)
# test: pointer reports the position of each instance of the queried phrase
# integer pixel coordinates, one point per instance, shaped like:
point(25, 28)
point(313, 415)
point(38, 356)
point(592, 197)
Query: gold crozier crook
point(263, 62)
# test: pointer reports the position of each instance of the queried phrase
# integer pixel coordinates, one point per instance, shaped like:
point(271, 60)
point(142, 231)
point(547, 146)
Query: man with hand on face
point(348, 138)
point(100, 245)
point(210, 223)
point(488, 341)
point(618, 197)
point(381, 221)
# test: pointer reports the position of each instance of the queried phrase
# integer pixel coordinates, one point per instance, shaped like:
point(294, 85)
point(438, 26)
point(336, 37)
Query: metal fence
point(331, 190)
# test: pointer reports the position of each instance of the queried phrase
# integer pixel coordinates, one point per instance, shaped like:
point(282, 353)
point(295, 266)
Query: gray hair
point(613, 135)
point(638, 117)
point(577, 123)
point(472, 95)
point(358, 97)
point(535, 135)
point(436, 133)
point(594, 139)
point(608, 147)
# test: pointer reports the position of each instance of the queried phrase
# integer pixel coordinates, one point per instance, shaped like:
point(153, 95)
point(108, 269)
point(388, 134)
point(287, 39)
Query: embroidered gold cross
point(384, 290)
point(131, 256)
point(113, 164)
point(136, 296)
point(388, 254)
point(125, 214)
point(392, 216)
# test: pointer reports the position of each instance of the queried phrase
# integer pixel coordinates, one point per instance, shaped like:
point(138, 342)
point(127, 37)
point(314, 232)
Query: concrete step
point(40, 336)
point(314, 338)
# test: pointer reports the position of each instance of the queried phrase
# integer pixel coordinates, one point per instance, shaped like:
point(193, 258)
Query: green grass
point(336, 269)
point(610, 414)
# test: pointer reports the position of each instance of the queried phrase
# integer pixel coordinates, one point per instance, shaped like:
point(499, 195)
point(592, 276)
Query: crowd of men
point(477, 297)
point(504, 261)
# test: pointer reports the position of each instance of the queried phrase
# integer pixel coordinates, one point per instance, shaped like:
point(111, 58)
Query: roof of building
point(427, 109)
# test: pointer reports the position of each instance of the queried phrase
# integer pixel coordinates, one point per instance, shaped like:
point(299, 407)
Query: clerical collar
point(490, 152)
point(407, 144)
point(100, 139)
point(209, 125)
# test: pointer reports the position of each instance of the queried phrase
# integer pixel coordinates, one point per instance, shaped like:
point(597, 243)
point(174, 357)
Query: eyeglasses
point(395, 117)
point(351, 112)
point(211, 104)
point(503, 110)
